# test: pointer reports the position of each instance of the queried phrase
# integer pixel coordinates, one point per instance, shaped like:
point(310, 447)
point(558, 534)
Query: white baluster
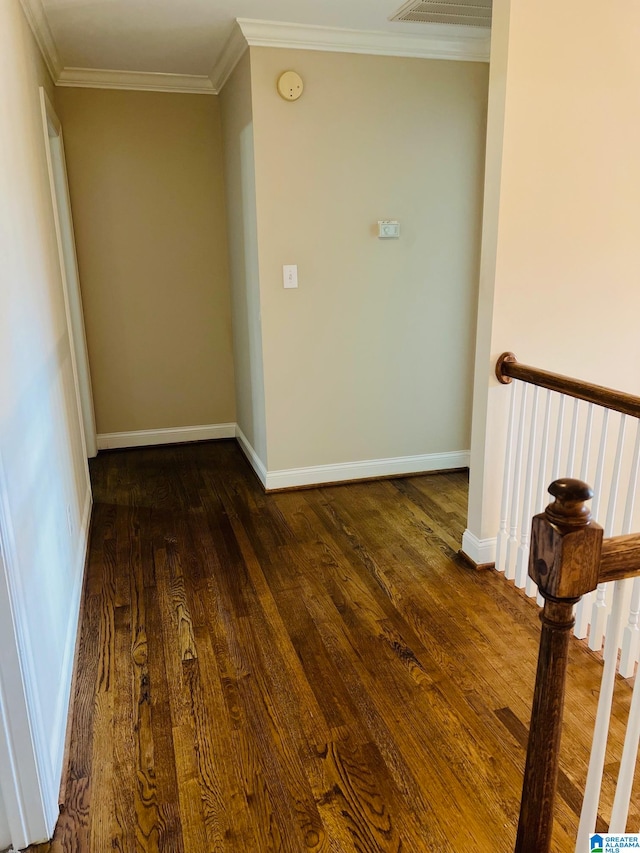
point(501, 541)
point(586, 448)
point(583, 616)
point(573, 440)
point(541, 491)
point(599, 615)
point(555, 470)
point(512, 544)
point(602, 452)
point(633, 485)
point(599, 611)
point(615, 479)
point(522, 562)
point(611, 646)
point(583, 607)
point(631, 634)
point(624, 786)
point(597, 499)
point(603, 716)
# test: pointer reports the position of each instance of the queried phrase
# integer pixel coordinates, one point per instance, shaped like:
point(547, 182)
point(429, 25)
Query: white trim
point(480, 551)
point(431, 41)
point(5, 832)
point(252, 457)
point(64, 696)
point(232, 53)
point(150, 437)
point(37, 20)
point(27, 787)
point(29, 784)
point(139, 81)
point(291, 477)
point(399, 466)
point(70, 276)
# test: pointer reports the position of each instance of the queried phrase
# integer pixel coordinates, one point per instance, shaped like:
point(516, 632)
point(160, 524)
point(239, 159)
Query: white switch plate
point(388, 229)
point(290, 275)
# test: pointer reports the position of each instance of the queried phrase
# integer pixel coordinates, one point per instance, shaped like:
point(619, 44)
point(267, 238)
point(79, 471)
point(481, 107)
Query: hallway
point(302, 671)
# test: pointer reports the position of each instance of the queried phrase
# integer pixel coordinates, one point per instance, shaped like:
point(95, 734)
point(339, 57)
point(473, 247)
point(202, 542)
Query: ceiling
point(188, 36)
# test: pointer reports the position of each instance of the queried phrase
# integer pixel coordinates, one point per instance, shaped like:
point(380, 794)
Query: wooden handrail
point(620, 558)
point(508, 368)
point(568, 559)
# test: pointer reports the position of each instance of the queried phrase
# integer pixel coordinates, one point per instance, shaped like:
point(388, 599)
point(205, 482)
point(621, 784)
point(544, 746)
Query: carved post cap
point(569, 510)
point(565, 543)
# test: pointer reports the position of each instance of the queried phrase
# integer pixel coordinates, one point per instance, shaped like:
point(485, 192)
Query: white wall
point(44, 484)
point(561, 255)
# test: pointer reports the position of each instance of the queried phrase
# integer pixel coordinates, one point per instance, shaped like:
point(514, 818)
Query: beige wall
point(372, 356)
point(44, 489)
point(146, 182)
point(564, 291)
point(237, 127)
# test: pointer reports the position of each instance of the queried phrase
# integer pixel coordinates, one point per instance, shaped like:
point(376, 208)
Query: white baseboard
point(288, 478)
point(482, 552)
point(61, 707)
point(176, 435)
point(252, 457)
point(399, 466)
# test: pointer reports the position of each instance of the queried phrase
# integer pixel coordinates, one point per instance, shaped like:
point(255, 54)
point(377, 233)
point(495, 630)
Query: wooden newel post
point(564, 562)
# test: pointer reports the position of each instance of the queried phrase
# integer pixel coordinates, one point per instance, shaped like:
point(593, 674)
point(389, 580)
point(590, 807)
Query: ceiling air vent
point(475, 13)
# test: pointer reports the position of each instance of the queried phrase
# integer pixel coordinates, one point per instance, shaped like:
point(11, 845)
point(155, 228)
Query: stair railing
point(568, 558)
point(566, 428)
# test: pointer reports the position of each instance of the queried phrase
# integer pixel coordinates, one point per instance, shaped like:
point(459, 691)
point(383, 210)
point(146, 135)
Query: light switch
point(290, 275)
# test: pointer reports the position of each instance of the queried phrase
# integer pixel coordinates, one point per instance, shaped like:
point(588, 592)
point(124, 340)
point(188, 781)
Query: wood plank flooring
point(305, 671)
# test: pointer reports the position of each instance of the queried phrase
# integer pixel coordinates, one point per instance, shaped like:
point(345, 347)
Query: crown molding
point(232, 53)
point(433, 41)
point(41, 30)
point(140, 81)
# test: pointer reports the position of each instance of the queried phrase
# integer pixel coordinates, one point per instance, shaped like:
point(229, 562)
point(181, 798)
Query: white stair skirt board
point(176, 435)
point(317, 475)
point(482, 552)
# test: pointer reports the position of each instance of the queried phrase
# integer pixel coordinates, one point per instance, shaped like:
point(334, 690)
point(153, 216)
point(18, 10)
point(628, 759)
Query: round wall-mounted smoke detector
point(290, 85)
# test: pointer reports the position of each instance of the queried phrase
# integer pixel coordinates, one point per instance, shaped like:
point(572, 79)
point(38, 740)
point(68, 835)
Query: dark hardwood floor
point(303, 671)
